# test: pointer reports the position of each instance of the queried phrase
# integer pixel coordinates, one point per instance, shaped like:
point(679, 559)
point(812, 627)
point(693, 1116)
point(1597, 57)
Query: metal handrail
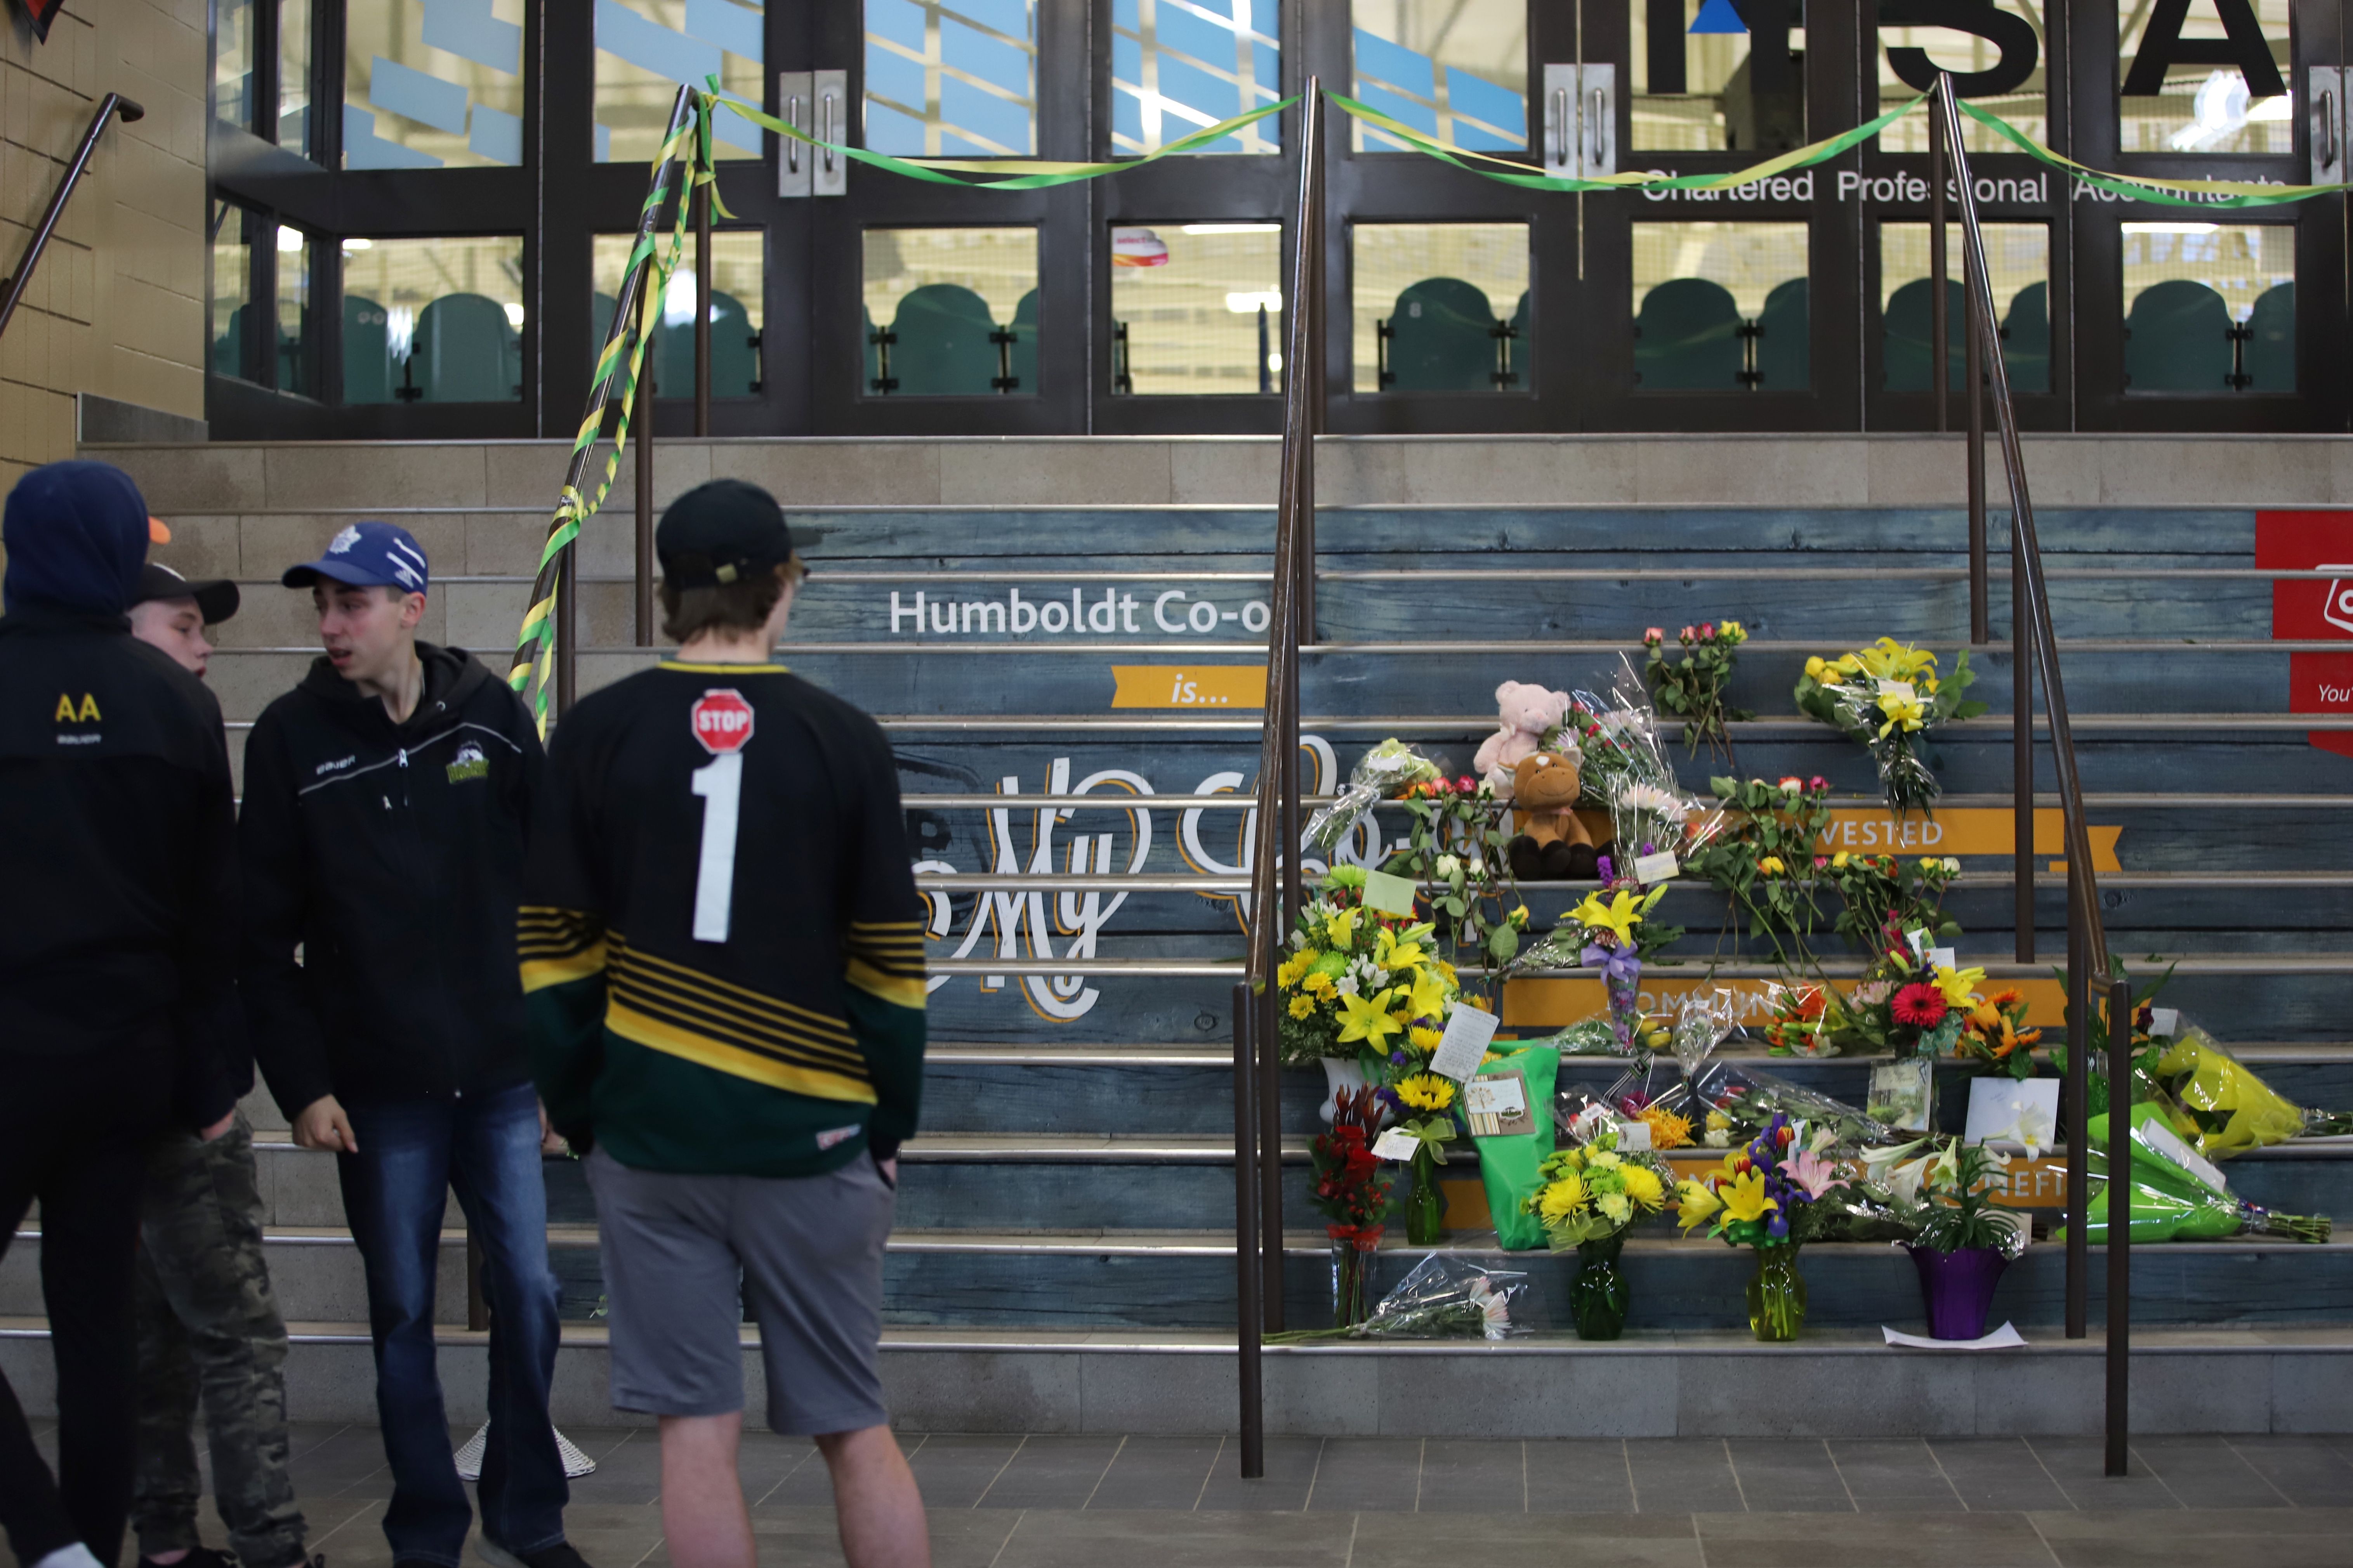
point(2087, 944)
point(20, 280)
point(1258, 1040)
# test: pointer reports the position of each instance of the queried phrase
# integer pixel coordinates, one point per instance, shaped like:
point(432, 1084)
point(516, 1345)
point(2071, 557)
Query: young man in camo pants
point(209, 1330)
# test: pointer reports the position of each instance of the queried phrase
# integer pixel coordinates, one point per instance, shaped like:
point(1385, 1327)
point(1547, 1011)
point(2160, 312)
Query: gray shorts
point(684, 1255)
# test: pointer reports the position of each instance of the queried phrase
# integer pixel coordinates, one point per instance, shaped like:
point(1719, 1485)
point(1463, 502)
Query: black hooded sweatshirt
point(391, 855)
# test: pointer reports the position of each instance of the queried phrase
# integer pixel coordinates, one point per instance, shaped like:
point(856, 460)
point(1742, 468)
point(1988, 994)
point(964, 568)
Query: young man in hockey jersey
point(386, 800)
point(724, 954)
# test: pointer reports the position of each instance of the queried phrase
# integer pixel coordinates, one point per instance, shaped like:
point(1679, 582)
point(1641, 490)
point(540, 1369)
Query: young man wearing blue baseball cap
point(387, 799)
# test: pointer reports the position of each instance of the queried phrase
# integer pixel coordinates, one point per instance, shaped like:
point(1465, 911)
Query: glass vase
point(1625, 1011)
point(1777, 1295)
point(1352, 1283)
point(1425, 1206)
point(1600, 1296)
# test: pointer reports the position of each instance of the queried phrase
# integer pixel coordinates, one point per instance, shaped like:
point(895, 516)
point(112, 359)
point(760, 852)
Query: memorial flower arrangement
point(1763, 855)
point(1773, 1195)
point(1359, 982)
point(1889, 698)
point(1353, 1196)
point(1885, 897)
point(1456, 851)
point(1995, 1033)
point(2222, 1107)
point(1595, 1191)
point(1693, 688)
point(1909, 1007)
point(1795, 1027)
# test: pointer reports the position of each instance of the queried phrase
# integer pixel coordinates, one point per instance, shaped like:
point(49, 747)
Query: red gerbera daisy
point(1920, 1005)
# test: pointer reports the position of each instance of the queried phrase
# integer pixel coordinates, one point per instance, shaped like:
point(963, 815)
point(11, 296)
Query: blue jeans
point(395, 1191)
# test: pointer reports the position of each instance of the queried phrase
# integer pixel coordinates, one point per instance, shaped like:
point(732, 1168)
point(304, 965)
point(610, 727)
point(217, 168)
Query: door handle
point(2329, 128)
point(793, 118)
point(826, 134)
point(1593, 97)
point(1560, 125)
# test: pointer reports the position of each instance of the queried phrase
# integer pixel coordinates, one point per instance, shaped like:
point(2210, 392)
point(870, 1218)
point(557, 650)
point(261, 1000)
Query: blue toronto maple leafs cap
point(366, 556)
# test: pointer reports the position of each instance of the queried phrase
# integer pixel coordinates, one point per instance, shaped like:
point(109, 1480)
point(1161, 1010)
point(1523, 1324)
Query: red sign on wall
point(2313, 609)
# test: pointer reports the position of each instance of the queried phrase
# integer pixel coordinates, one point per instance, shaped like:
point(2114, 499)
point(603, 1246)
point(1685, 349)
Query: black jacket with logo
point(391, 855)
point(118, 931)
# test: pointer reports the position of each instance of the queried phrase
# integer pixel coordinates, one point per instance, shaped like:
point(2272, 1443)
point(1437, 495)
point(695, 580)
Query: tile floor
point(1041, 1501)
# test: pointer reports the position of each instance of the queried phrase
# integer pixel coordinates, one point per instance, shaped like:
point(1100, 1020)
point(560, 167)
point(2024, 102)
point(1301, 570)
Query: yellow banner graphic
point(1961, 830)
point(1188, 686)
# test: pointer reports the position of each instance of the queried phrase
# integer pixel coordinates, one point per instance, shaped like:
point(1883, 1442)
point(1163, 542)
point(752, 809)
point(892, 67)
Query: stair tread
point(2146, 1339)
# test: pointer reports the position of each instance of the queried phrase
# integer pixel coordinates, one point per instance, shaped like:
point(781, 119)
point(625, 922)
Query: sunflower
point(1425, 1091)
point(1424, 1041)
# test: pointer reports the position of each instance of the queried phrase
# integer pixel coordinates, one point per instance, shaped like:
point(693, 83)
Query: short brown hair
point(742, 606)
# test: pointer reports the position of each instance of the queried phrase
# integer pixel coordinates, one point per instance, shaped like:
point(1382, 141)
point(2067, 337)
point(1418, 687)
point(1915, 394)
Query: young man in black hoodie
point(386, 805)
point(118, 1009)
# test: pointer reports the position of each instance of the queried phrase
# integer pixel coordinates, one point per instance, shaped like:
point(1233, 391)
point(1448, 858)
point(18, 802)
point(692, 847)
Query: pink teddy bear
point(1525, 712)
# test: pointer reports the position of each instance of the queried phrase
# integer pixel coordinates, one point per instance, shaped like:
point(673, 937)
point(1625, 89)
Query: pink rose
point(1653, 634)
point(1706, 631)
point(1685, 634)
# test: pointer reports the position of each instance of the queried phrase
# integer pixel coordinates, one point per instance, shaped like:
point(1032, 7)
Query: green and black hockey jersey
point(722, 943)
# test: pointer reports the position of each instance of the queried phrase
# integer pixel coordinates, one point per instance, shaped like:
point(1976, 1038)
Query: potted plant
point(1961, 1241)
point(1590, 1196)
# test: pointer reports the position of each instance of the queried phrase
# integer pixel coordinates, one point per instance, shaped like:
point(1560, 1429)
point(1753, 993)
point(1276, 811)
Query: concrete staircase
point(1064, 1260)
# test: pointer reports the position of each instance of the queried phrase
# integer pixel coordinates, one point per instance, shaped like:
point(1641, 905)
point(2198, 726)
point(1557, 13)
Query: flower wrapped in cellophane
point(1441, 1299)
point(1385, 773)
point(1733, 1104)
point(1616, 739)
point(1593, 1190)
point(2172, 1193)
point(2226, 1108)
point(1889, 698)
point(1361, 983)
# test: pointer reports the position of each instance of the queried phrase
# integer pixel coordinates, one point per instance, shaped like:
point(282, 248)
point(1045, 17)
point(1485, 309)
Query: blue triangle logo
point(1718, 16)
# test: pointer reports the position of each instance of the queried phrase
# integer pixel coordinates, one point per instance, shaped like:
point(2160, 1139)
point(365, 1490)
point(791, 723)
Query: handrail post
point(2119, 1194)
point(702, 274)
point(2078, 1095)
point(1975, 335)
point(1940, 353)
point(2022, 748)
point(1250, 1298)
point(18, 281)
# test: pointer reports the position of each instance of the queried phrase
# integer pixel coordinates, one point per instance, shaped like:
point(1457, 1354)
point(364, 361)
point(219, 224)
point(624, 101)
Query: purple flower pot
point(1958, 1289)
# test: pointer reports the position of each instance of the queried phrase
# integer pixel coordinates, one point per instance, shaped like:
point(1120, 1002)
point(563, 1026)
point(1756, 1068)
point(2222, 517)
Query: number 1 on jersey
point(720, 783)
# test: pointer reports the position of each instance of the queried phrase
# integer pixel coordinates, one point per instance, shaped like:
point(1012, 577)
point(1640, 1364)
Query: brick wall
point(117, 306)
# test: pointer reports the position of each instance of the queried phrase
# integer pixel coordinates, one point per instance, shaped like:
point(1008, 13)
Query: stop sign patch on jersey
point(723, 722)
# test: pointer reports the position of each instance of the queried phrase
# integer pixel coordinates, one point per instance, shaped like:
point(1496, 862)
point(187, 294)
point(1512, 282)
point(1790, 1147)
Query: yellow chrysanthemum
point(1604, 1160)
point(1718, 1121)
point(1320, 986)
point(1302, 1006)
point(1643, 1185)
point(1616, 1207)
point(1426, 1091)
point(1562, 1198)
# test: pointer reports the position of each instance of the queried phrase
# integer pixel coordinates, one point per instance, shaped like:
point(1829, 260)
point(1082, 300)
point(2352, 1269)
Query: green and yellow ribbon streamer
point(2229, 194)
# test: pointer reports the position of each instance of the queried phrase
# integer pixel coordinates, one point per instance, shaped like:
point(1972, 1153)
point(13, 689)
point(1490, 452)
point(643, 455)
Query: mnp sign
point(2308, 609)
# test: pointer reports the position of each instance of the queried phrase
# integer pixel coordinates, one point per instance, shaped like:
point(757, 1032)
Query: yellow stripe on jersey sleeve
point(720, 1056)
point(897, 990)
point(558, 946)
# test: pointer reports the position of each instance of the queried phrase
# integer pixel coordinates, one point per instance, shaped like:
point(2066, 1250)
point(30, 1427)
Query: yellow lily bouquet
point(1362, 983)
point(1887, 696)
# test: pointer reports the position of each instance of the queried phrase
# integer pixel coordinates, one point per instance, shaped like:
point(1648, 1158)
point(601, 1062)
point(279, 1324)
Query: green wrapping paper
point(1508, 1161)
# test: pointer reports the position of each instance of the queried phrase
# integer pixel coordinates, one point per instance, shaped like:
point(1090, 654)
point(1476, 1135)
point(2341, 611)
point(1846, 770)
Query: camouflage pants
point(210, 1332)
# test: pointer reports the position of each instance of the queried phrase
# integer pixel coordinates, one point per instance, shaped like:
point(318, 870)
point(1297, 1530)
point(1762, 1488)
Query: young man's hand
point(551, 1141)
point(323, 1125)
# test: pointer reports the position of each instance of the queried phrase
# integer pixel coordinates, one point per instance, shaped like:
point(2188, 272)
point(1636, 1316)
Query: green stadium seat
point(1442, 338)
point(1784, 350)
point(1908, 336)
point(1687, 338)
point(2271, 340)
point(2179, 339)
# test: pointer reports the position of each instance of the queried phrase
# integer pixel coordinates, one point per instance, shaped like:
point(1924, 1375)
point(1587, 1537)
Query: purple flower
point(1777, 1227)
point(1609, 871)
point(1397, 1058)
point(1619, 965)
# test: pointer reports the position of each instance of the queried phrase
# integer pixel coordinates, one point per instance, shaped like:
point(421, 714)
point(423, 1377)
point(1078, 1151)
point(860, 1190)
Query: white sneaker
point(470, 1458)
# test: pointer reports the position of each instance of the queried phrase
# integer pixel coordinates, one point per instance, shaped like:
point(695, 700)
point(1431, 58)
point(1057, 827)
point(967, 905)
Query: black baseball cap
point(216, 597)
point(720, 532)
